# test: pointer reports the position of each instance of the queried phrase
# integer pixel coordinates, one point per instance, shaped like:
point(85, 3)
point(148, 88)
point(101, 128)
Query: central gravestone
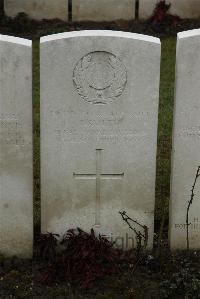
point(99, 108)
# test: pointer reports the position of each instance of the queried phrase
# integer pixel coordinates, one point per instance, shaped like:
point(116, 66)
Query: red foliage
point(84, 259)
point(161, 15)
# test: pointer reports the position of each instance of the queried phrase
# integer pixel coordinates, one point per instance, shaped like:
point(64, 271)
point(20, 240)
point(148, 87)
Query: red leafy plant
point(83, 258)
point(161, 17)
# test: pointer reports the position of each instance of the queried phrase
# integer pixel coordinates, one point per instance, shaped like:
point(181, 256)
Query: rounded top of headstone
point(100, 33)
point(15, 40)
point(188, 33)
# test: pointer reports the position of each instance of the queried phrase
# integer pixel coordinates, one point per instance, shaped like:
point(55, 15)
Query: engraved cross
point(98, 176)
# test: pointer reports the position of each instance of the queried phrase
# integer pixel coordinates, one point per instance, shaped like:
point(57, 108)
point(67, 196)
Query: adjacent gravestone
point(146, 8)
point(185, 9)
point(16, 194)
point(38, 9)
point(182, 8)
point(99, 108)
point(104, 10)
point(186, 142)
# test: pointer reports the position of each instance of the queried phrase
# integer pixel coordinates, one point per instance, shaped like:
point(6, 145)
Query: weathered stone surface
point(186, 142)
point(185, 8)
point(182, 8)
point(38, 9)
point(146, 8)
point(99, 103)
point(16, 180)
point(103, 10)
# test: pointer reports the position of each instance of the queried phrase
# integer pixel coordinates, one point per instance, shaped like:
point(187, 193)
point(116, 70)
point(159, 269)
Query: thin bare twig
point(139, 236)
point(189, 205)
point(127, 219)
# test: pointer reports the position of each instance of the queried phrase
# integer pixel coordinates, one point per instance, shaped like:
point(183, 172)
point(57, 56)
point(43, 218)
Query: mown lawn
point(164, 129)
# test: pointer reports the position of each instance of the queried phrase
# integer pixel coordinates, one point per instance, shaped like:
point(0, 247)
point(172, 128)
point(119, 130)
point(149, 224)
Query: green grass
point(167, 80)
point(164, 129)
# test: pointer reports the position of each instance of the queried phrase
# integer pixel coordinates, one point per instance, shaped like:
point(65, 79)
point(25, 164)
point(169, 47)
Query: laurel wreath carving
point(104, 94)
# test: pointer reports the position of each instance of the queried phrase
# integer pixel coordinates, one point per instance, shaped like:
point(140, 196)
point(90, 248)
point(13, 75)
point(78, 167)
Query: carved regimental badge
point(100, 77)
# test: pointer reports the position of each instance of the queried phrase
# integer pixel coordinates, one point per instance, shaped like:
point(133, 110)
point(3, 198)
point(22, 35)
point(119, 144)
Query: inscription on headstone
point(193, 225)
point(10, 130)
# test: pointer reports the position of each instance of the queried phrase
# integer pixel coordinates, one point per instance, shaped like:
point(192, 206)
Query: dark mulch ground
point(167, 276)
point(24, 27)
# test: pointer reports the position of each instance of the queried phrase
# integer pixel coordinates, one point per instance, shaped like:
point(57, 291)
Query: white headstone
point(103, 10)
point(186, 142)
point(185, 8)
point(146, 8)
point(16, 179)
point(99, 104)
point(38, 9)
point(182, 8)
